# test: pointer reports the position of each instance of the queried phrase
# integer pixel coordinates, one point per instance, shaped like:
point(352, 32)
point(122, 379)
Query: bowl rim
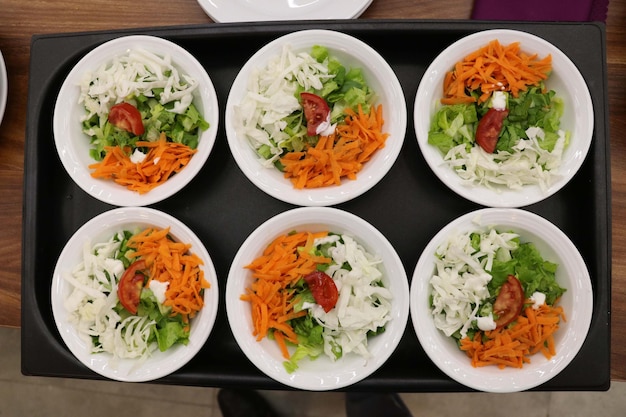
point(426, 102)
point(442, 350)
point(160, 363)
point(321, 374)
point(66, 126)
point(273, 183)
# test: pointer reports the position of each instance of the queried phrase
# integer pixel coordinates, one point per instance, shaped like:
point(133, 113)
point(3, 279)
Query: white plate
point(352, 53)
point(266, 10)
point(320, 374)
point(100, 229)
point(565, 80)
point(577, 302)
point(73, 145)
point(4, 87)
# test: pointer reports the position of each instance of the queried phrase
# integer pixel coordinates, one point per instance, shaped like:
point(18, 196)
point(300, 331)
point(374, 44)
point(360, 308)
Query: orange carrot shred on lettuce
point(513, 346)
point(163, 160)
point(340, 155)
point(172, 262)
point(494, 67)
point(285, 260)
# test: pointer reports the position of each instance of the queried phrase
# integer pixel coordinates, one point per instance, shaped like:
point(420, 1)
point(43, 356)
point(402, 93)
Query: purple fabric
point(541, 10)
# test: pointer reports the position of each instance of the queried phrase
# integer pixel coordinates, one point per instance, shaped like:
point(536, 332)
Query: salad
point(499, 125)
point(321, 293)
point(132, 104)
point(496, 297)
point(310, 117)
point(135, 293)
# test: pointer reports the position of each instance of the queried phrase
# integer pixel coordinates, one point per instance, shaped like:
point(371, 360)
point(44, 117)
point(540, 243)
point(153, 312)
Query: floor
point(40, 396)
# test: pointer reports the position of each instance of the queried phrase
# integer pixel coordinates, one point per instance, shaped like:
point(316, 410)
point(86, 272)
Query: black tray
point(409, 205)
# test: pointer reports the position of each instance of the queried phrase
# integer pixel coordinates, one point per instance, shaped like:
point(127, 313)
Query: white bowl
point(4, 87)
point(159, 364)
point(380, 77)
point(577, 302)
point(320, 374)
point(565, 80)
point(246, 11)
point(73, 145)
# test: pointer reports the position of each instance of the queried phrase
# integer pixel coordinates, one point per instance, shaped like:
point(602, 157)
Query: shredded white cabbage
point(528, 164)
point(132, 74)
point(271, 97)
point(459, 284)
point(363, 304)
point(91, 304)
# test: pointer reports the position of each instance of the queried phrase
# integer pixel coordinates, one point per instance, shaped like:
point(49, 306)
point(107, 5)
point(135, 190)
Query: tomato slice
point(316, 111)
point(323, 289)
point(130, 286)
point(509, 302)
point(126, 116)
point(489, 127)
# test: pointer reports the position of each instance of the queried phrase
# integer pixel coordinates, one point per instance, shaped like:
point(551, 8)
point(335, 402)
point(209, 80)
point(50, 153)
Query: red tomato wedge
point(510, 301)
point(489, 127)
point(316, 111)
point(323, 288)
point(126, 116)
point(130, 286)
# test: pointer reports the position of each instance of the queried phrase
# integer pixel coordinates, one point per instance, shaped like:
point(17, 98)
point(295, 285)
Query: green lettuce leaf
point(453, 125)
point(534, 273)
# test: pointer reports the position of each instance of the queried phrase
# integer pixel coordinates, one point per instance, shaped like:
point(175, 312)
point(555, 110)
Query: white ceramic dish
point(4, 87)
point(100, 229)
point(378, 74)
point(565, 80)
point(320, 374)
point(577, 303)
point(272, 10)
point(73, 145)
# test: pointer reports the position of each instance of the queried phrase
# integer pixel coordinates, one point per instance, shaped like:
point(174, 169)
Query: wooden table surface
point(20, 19)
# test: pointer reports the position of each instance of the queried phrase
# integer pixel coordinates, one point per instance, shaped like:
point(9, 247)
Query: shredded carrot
point(513, 346)
point(340, 155)
point(283, 263)
point(163, 160)
point(172, 262)
point(494, 67)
